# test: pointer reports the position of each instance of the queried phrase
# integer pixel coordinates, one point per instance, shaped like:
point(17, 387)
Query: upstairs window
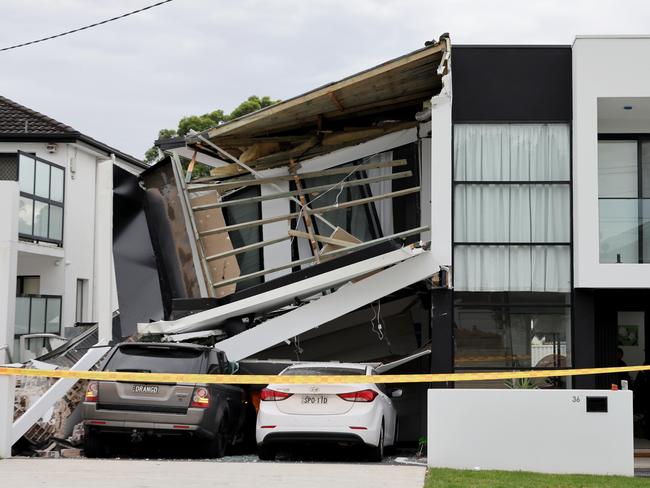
point(41, 199)
point(624, 198)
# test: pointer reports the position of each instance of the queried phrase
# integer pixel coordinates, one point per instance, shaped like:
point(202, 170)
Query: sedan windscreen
point(140, 359)
point(323, 372)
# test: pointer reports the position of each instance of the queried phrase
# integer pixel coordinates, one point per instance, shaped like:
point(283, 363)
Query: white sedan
point(346, 414)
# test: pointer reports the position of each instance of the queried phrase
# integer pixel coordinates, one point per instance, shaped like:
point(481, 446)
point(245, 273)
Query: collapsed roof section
point(359, 108)
point(306, 203)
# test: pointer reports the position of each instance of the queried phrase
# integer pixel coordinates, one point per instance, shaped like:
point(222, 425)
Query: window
point(8, 167)
point(512, 207)
point(41, 199)
point(28, 285)
point(624, 199)
point(511, 330)
point(36, 314)
point(360, 220)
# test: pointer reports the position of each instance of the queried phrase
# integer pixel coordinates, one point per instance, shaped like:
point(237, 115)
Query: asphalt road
point(112, 473)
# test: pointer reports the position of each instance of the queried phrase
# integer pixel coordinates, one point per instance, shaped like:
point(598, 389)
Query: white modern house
point(48, 187)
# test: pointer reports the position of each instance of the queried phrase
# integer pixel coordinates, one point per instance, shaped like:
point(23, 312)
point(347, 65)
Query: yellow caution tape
point(252, 379)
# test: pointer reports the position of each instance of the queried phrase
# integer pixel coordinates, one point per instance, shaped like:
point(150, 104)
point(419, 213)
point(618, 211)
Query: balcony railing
point(624, 230)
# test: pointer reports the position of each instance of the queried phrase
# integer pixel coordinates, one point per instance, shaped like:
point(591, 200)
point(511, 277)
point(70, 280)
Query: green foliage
point(200, 122)
point(520, 384)
point(504, 479)
point(167, 133)
point(203, 122)
point(253, 104)
point(422, 446)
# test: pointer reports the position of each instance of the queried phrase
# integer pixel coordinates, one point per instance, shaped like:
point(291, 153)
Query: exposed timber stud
point(344, 170)
point(190, 168)
point(305, 215)
point(324, 239)
point(256, 175)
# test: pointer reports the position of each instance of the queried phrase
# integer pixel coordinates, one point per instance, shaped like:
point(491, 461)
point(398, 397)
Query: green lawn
point(506, 479)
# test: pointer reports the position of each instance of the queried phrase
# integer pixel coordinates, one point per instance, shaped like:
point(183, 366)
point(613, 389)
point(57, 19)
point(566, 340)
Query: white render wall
point(546, 431)
point(602, 67)
point(59, 268)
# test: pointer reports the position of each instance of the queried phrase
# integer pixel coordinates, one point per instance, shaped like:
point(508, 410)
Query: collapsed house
point(309, 240)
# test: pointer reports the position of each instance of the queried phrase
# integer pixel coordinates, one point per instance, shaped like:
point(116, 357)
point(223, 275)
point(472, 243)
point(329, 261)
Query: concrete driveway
point(112, 473)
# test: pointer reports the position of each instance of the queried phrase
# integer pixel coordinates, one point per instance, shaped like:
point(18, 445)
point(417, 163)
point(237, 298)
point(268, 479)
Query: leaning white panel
point(548, 431)
point(274, 299)
point(329, 307)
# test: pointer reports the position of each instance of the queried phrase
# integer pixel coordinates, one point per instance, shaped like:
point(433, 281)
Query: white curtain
point(511, 152)
point(512, 213)
point(512, 268)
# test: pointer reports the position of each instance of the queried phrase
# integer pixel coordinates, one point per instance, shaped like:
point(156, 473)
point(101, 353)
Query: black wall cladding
point(511, 83)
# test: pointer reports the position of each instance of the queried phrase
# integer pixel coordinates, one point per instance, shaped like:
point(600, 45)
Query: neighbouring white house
point(48, 189)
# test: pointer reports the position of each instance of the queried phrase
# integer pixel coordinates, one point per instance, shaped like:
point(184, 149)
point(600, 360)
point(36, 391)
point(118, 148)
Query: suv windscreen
point(157, 359)
point(323, 371)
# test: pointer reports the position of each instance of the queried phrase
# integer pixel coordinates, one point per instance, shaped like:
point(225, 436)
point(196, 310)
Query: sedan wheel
point(266, 453)
point(377, 453)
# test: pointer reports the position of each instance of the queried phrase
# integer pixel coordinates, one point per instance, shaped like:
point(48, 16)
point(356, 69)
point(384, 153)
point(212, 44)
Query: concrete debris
point(71, 453)
point(56, 422)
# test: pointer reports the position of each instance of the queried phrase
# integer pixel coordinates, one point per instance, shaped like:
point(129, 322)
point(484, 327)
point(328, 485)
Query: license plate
point(152, 389)
point(314, 400)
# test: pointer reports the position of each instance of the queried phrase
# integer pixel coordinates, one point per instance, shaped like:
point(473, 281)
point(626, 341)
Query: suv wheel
point(266, 453)
point(93, 447)
point(213, 448)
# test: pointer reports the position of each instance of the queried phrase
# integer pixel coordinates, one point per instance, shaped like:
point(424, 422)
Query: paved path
point(113, 473)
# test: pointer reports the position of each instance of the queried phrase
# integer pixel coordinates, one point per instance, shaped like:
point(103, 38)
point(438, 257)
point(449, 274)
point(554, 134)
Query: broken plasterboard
point(220, 269)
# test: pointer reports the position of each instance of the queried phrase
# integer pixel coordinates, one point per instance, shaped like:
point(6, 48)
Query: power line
point(85, 27)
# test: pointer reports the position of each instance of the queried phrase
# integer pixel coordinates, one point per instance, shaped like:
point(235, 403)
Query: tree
point(207, 120)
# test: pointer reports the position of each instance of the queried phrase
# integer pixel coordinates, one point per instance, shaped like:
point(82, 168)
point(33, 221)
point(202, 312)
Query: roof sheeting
point(401, 82)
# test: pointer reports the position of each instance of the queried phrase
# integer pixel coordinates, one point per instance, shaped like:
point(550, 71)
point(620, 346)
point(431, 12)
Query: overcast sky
point(123, 81)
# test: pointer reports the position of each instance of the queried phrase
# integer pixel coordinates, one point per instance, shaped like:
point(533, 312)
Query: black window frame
point(570, 245)
point(561, 182)
point(639, 138)
point(35, 198)
point(505, 303)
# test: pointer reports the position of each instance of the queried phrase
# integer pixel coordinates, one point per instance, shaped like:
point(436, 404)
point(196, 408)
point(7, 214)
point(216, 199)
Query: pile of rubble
point(56, 433)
